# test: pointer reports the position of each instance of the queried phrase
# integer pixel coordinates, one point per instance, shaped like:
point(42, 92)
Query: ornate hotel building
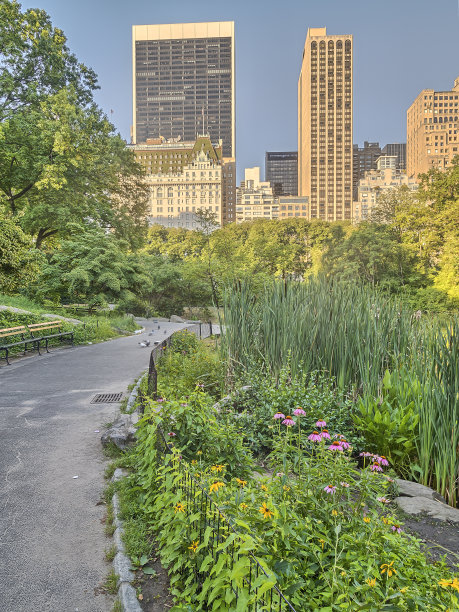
point(325, 125)
point(183, 177)
point(432, 131)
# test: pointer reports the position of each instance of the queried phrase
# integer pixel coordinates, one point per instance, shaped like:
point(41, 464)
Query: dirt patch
point(439, 538)
point(155, 589)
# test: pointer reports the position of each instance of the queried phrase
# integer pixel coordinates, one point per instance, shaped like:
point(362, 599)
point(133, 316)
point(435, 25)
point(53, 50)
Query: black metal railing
point(200, 329)
point(199, 503)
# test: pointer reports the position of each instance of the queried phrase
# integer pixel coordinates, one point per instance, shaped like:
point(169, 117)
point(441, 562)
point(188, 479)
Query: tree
point(60, 159)
point(35, 61)
point(19, 261)
point(94, 267)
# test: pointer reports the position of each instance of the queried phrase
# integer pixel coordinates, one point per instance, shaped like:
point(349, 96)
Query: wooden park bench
point(15, 336)
point(25, 335)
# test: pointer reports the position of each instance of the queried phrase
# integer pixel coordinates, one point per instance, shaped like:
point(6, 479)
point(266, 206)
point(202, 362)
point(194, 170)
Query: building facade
point(255, 199)
point(398, 149)
point(387, 176)
point(183, 178)
point(293, 207)
point(281, 170)
point(183, 82)
point(325, 125)
point(432, 131)
point(364, 159)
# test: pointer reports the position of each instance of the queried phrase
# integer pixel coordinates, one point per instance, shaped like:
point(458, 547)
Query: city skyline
point(399, 49)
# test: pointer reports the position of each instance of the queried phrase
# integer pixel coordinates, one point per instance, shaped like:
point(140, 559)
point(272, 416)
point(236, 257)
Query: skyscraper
point(432, 131)
point(325, 125)
point(183, 82)
point(281, 170)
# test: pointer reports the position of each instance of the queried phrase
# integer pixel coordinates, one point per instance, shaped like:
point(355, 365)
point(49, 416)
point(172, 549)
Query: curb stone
point(127, 594)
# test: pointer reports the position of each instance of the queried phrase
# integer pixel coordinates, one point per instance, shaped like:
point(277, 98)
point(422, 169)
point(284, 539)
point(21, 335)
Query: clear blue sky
point(400, 48)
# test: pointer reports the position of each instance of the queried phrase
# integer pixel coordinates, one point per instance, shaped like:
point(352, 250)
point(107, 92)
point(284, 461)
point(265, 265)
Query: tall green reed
point(354, 333)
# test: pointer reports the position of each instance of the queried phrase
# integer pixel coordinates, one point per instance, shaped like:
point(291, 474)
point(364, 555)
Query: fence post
point(210, 328)
point(152, 377)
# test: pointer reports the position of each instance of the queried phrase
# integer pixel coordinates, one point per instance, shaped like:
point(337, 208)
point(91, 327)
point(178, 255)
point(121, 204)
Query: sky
point(400, 48)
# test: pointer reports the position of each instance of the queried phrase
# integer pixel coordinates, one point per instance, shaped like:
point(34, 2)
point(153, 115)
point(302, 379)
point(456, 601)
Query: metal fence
point(200, 329)
point(198, 502)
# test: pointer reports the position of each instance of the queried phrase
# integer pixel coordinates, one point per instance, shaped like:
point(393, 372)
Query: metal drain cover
point(106, 398)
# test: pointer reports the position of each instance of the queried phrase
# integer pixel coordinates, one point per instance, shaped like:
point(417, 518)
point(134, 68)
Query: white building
point(254, 198)
point(386, 177)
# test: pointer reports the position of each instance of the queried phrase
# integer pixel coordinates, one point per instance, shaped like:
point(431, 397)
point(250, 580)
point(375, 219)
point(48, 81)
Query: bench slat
point(13, 331)
point(40, 326)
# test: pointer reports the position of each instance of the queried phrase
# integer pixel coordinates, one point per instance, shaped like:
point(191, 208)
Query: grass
point(110, 584)
point(110, 553)
point(117, 607)
point(109, 521)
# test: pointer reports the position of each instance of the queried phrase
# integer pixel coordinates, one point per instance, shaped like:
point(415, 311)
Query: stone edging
point(121, 563)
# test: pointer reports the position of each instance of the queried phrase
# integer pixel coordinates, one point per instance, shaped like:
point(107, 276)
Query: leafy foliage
point(19, 263)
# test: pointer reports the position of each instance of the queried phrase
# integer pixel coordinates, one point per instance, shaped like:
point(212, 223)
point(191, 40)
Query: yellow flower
point(193, 462)
point(241, 482)
point(343, 573)
point(179, 507)
point(215, 486)
point(366, 519)
point(385, 567)
point(217, 468)
point(199, 452)
point(322, 542)
point(286, 488)
point(453, 584)
point(243, 506)
point(403, 590)
point(194, 546)
point(334, 513)
point(266, 512)
point(371, 582)
point(264, 488)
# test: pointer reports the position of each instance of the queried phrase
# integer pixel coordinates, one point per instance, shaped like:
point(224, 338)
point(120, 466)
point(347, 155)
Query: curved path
point(51, 536)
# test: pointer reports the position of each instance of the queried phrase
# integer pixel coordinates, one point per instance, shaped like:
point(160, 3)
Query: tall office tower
point(398, 149)
point(325, 125)
point(183, 82)
point(364, 159)
point(432, 130)
point(281, 170)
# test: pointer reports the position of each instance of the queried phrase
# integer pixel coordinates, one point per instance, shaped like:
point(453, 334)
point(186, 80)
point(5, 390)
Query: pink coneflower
point(161, 399)
point(279, 415)
point(321, 423)
point(335, 446)
point(376, 467)
point(299, 412)
point(315, 436)
point(366, 455)
point(396, 528)
point(383, 461)
point(171, 434)
point(324, 433)
point(383, 500)
point(330, 489)
point(184, 404)
point(344, 484)
point(288, 421)
point(344, 443)
point(389, 479)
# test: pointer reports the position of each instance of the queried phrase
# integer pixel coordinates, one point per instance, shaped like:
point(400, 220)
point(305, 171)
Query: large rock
point(229, 399)
point(67, 319)
point(121, 433)
point(414, 489)
point(176, 319)
point(435, 509)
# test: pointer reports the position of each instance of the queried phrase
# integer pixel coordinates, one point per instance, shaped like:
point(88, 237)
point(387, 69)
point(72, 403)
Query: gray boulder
point(414, 489)
point(176, 319)
point(121, 433)
point(431, 507)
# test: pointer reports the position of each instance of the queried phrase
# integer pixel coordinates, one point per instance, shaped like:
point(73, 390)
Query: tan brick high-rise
point(432, 130)
point(325, 125)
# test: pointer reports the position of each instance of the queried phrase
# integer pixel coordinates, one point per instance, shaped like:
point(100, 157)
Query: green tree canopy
point(19, 261)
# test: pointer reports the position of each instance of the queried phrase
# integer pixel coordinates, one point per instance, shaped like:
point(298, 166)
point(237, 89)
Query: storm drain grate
point(106, 398)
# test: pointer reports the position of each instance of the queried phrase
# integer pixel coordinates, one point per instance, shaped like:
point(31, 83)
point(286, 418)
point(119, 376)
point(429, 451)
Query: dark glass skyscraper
point(281, 170)
point(183, 82)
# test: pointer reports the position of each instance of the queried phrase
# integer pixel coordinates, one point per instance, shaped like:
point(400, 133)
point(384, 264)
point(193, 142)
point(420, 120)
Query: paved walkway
point(51, 536)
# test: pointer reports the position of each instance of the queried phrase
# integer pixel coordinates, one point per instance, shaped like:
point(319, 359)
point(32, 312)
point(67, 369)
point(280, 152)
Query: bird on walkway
point(144, 344)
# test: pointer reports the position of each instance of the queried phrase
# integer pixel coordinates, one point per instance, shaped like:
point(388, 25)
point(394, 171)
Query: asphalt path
point(51, 532)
